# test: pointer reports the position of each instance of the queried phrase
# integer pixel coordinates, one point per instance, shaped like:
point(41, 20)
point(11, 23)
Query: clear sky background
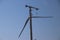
point(13, 15)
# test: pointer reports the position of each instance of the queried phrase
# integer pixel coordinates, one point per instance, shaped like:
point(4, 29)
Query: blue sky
point(13, 15)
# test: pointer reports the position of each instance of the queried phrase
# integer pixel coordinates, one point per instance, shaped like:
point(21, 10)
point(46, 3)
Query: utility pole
point(30, 19)
point(30, 15)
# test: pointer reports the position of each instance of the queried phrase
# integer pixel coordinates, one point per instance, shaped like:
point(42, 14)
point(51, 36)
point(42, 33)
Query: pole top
point(31, 7)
